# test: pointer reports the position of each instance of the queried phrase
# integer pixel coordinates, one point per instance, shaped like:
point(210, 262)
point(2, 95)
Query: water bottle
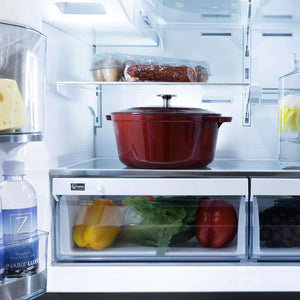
point(289, 116)
point(19, 212)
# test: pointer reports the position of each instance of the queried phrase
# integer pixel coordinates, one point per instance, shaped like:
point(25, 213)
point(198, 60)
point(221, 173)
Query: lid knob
point(166, 99)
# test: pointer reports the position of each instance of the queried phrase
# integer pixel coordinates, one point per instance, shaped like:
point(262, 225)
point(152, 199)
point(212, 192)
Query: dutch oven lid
point(166, 110)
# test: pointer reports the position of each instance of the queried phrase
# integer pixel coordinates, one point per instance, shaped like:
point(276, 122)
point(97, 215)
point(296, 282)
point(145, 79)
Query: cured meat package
point(137, 68)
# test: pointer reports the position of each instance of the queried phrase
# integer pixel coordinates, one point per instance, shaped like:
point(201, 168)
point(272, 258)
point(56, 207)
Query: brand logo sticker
point(77, 186)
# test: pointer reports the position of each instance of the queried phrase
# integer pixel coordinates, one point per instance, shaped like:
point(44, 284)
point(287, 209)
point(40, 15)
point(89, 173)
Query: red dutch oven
point(166, 137)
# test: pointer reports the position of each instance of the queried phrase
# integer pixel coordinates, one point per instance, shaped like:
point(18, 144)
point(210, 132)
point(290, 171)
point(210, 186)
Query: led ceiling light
point(81, 8)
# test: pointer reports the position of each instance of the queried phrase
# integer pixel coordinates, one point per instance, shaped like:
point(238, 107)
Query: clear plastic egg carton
point(113, 67)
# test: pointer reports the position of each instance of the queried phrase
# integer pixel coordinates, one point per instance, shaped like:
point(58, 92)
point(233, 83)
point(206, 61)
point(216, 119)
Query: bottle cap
point(13, 167)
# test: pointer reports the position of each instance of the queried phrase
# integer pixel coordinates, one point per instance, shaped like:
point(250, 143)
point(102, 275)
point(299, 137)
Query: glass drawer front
point(150, 228)
point(276, 227)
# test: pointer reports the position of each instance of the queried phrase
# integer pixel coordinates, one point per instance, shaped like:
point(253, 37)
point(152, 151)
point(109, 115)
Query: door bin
point(33, 285)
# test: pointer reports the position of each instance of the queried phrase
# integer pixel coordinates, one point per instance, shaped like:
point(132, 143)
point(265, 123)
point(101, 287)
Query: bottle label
point(21, 251)
point(19, 221)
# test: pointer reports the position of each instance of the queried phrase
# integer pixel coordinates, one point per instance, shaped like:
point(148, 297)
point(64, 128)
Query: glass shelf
point(84, 22)
point(218, 168)
point(141, 21)
point(86, 84)
point(166, 13)
point(273, 13)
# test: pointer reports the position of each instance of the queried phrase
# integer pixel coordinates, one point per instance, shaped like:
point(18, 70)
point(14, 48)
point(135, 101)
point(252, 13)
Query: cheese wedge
point(13, 114)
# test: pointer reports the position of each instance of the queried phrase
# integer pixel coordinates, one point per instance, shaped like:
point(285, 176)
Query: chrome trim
point(21, 138)
point(24, 288)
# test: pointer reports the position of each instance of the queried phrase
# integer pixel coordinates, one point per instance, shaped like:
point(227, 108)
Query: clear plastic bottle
point(19, 211)
point(289, 116)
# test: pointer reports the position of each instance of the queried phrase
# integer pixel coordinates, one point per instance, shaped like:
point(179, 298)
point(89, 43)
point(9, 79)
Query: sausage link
point(151, 72)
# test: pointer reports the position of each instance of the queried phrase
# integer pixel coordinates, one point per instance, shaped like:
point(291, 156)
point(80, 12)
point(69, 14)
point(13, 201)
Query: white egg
point(112, 70)
point(97, 71)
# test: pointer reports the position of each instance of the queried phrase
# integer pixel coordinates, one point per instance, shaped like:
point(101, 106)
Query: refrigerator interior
point(247, 45)
point(246, 56)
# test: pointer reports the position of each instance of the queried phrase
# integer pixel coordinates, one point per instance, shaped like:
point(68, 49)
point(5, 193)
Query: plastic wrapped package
point(135, 68)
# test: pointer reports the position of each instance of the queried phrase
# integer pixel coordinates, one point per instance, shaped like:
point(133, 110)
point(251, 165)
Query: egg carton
point(124, 67)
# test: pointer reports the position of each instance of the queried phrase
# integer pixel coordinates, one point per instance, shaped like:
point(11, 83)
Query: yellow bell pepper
point(97, 224)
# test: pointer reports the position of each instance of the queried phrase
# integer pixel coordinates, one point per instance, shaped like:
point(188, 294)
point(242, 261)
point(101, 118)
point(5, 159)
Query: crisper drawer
point(275, 205)
point(149, 219)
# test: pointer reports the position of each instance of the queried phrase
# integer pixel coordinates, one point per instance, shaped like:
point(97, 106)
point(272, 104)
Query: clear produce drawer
point(275, 205)
point(140, 220)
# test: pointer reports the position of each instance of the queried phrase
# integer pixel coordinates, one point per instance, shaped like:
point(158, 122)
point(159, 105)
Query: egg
point(112, 70)
point(97, 71)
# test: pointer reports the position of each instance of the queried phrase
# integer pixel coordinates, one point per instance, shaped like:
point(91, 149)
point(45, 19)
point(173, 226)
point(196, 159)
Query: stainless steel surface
point(24, 288)
point(21, 137)
point(218, 168)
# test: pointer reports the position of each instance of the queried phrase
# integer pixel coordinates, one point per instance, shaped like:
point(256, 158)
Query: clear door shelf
point(29, 286)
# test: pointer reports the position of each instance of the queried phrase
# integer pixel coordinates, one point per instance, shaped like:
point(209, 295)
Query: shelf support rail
point(247, 76)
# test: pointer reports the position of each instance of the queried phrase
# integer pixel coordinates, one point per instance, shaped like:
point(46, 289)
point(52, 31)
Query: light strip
point(81, 8)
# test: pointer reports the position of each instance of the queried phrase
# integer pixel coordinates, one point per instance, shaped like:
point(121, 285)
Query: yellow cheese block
point(13, 114)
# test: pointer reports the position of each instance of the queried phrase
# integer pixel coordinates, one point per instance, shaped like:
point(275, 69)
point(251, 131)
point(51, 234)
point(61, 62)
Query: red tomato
point(216, 223)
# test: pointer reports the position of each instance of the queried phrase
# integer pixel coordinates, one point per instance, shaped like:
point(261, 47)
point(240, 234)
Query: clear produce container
point(275, 219)
point(123, 226)
point(289, 116)
point(22, 60)
point(276, 228)
point(101, 232)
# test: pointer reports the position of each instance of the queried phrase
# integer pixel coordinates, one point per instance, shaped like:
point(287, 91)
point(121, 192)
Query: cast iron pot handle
point(224, 119)
point(108, 117)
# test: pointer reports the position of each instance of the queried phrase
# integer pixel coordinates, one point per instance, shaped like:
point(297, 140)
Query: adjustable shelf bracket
point(90, 95)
